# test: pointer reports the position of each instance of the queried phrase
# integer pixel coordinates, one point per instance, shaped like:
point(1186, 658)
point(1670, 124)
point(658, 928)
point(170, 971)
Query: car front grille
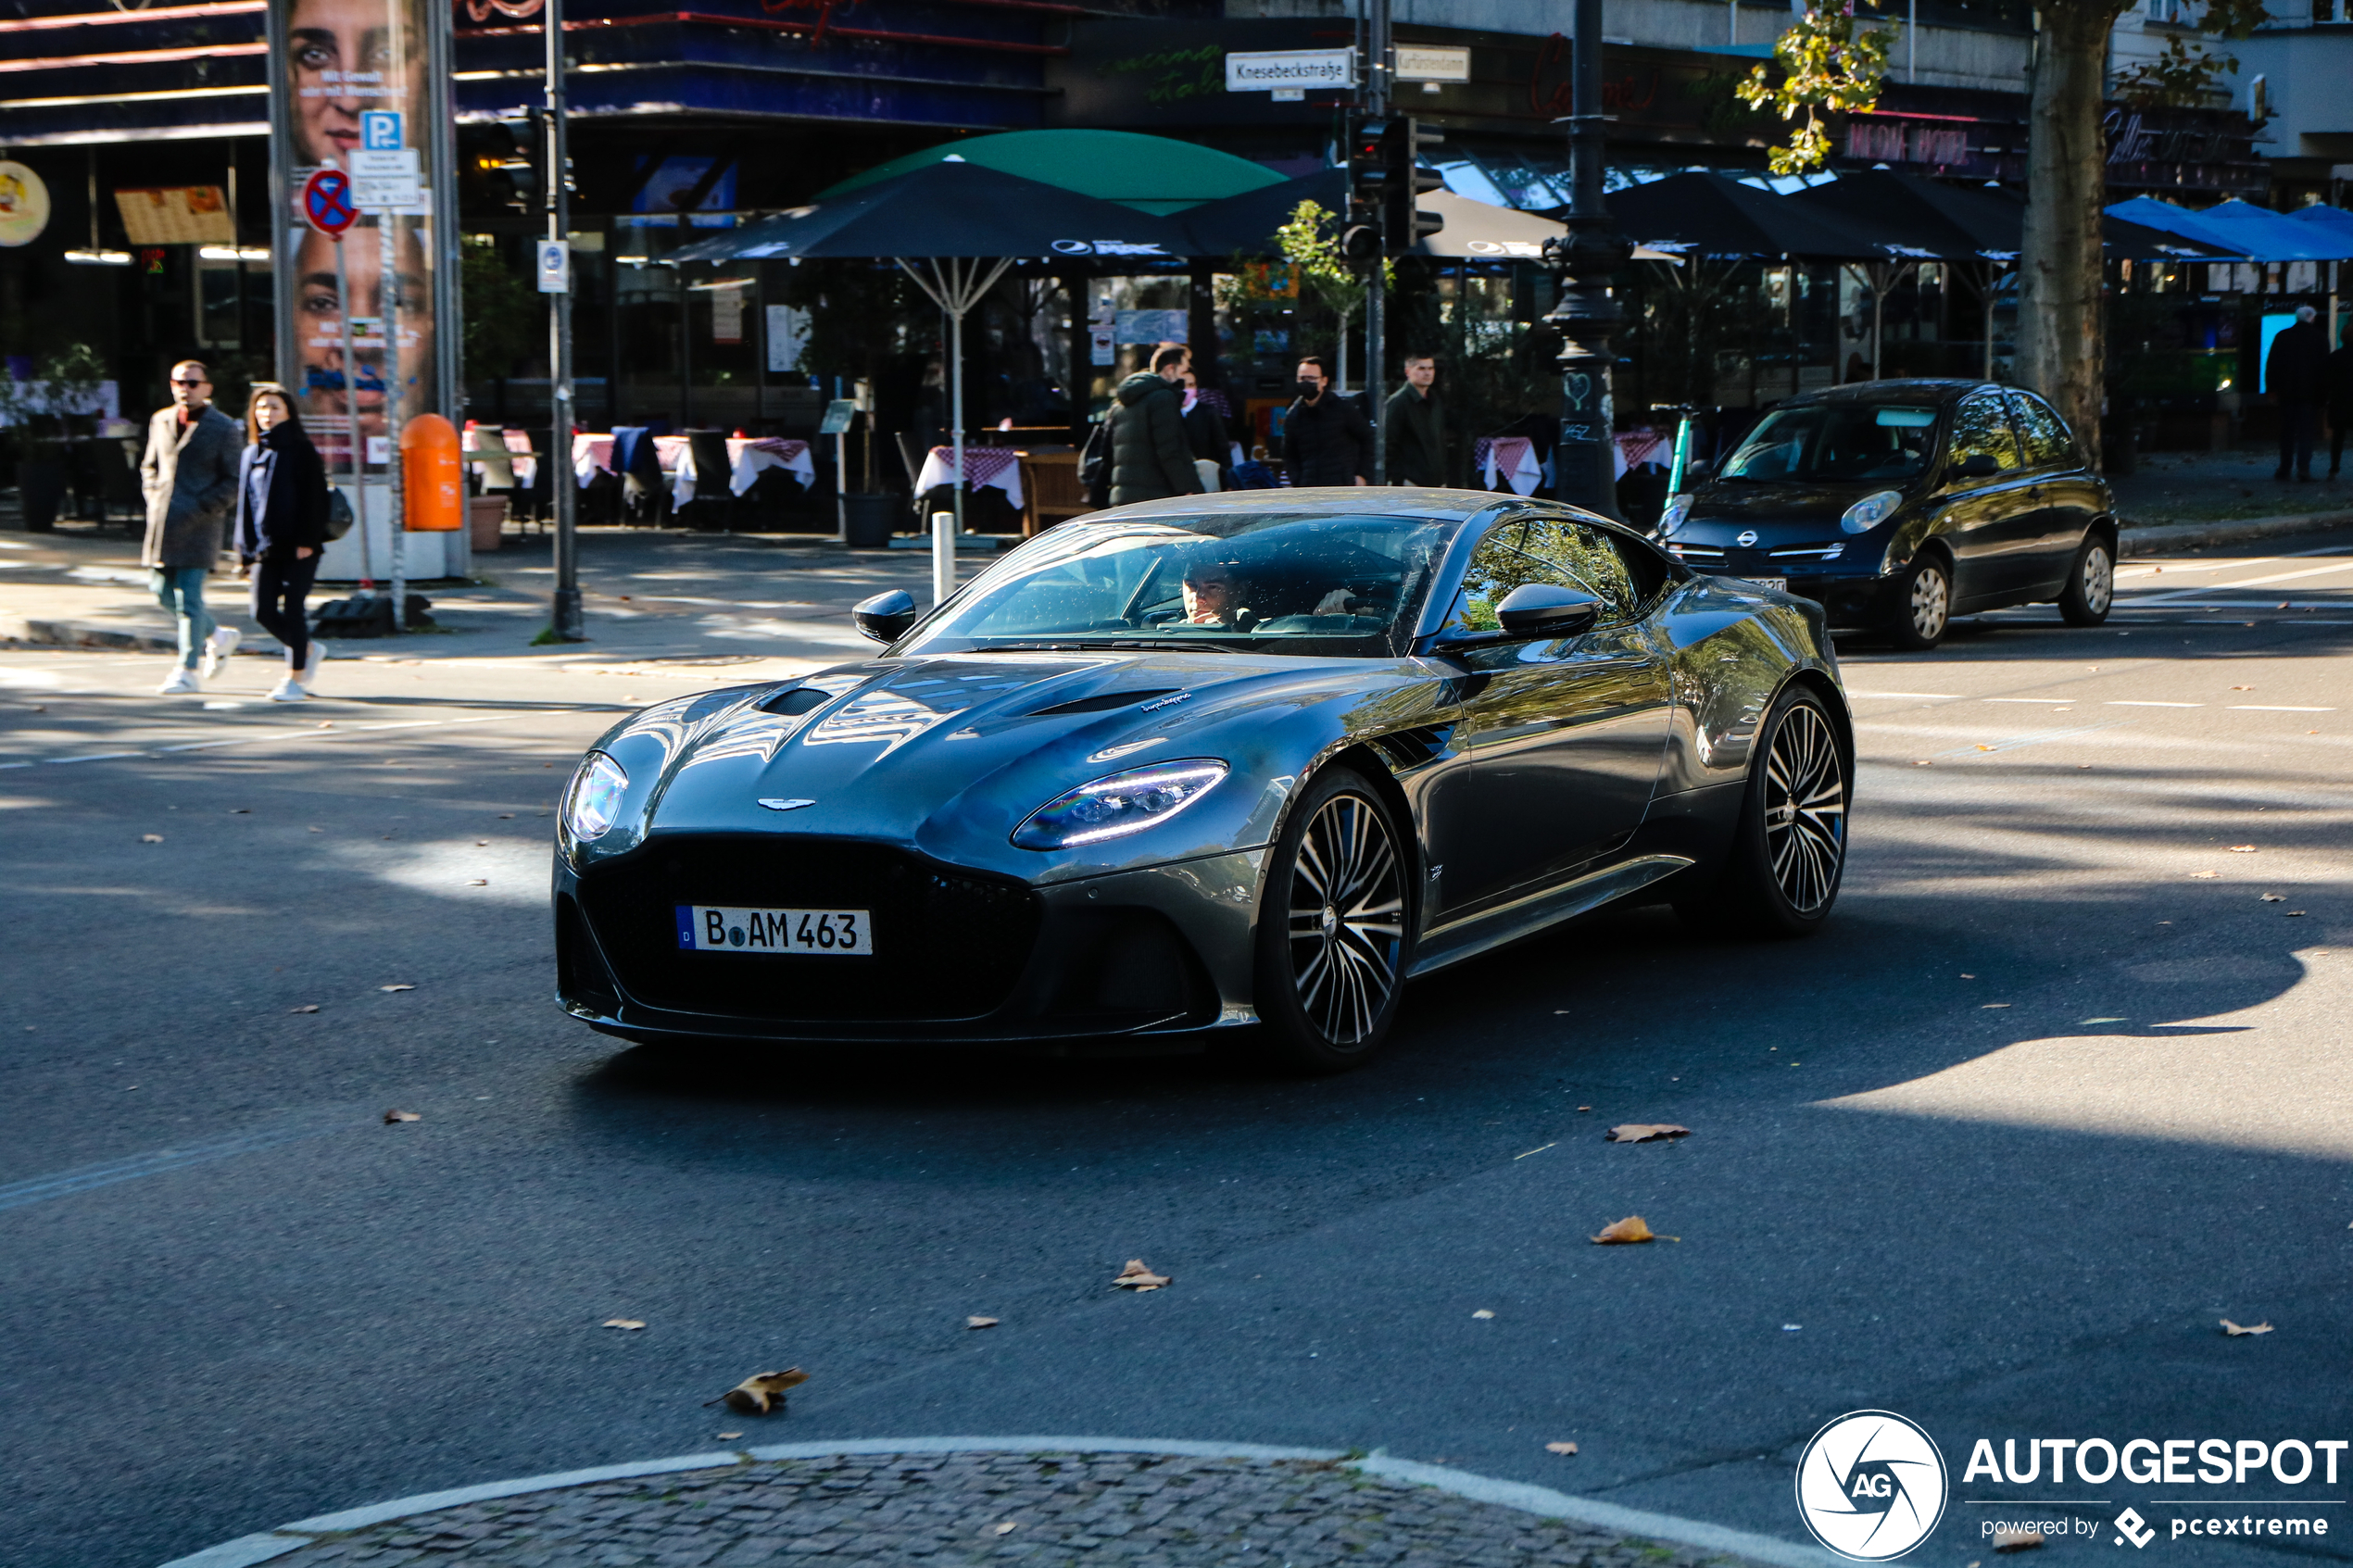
point(948, 943)
point(1755, 562)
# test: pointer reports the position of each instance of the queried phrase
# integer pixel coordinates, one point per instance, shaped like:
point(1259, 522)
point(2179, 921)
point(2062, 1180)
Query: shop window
point(220, 294)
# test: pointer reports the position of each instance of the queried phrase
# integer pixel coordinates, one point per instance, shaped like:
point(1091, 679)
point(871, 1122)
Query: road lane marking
point(2259, 582)
point(2272, 707)
point(1913, 696)
point(2038, 737)
point(2127, 703)
point(2037, 701)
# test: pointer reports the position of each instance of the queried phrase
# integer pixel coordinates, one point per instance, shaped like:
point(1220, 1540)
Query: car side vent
point(1103, 702)
point(799, 700)
point(1411, 748)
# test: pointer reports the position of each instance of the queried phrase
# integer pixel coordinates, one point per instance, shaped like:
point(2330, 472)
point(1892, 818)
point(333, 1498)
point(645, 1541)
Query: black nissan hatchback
point(1899, 504)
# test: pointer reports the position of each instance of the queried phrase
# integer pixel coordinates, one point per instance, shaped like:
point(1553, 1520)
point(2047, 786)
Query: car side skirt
point(1468, 938)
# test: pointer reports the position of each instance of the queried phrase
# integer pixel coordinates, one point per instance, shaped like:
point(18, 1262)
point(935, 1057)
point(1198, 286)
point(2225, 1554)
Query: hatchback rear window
point(1837, 441)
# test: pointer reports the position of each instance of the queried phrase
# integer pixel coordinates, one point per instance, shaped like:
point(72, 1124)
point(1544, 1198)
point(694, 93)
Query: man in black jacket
point(2294, 373)
point(1326, 438)
point(1150, 456)
point(1415, 426)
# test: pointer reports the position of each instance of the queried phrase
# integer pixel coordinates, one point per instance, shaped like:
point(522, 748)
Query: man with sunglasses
point(190, 476)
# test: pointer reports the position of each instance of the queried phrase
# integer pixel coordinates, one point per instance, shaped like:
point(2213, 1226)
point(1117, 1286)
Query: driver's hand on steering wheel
point(1334, 603)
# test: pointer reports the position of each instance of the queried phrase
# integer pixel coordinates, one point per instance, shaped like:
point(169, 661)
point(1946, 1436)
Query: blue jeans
point(179, 589)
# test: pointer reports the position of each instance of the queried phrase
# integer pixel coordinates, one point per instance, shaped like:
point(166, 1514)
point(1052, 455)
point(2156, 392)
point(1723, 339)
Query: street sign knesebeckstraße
point(1290, 69)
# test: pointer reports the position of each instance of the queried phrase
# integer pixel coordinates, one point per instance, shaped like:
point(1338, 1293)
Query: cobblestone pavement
point(995, 1508)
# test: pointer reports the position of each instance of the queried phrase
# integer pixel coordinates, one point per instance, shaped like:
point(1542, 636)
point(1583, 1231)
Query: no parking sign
point(327, 203)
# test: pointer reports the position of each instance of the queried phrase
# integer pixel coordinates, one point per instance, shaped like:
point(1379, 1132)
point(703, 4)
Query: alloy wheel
point(1931, 602)
point(1346, 919)
point(1805, 808)
point(2099, 579)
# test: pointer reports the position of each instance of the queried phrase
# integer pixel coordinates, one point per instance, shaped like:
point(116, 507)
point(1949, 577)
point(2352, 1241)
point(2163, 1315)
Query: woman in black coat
point(282, 526)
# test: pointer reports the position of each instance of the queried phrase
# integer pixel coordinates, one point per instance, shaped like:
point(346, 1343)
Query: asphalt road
point(2056, 1092)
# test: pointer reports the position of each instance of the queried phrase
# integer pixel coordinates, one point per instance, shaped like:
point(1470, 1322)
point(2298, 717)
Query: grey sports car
point(1255, 759)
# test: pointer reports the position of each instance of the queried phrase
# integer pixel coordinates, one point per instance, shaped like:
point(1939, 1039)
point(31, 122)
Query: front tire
point(1789, 848)
point(1923, 605)
point(1335, 930)
point(2091, 585)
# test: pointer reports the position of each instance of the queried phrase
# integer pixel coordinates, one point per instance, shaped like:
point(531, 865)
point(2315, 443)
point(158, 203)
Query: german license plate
point(1778, 584)
point(712, 928)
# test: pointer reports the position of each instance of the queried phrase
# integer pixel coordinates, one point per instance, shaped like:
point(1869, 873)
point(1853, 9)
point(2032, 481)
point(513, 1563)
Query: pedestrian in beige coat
point(190, 475)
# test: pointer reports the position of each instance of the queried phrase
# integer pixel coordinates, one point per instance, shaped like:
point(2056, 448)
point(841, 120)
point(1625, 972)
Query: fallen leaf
point(396, 987)
point(481, 843)
point(725, 1434)
point(392, 1116)
point(1984, 748)
point(1135, 1276)
point(2017, 1540)
point(1007, 1528)
point(1625, 1232)
point(1482, 1312)
point(980, 1323)
point(2203, 876)
point(1969, 976)
point(151, 838)
point(1984, 1005)
point(2249, 688)
point(760, 1393)
point(479, 881)
point(318, 830)
point(2241, 849)
point(2276, 897)
point(326, 723)
point(241, 811)
point(1584, 1108)
point(508, 817)
point(307, 1006)
point(1560, 1448)
point(2233, 1331)
point(1646, 1132)
point(2293, 913)
point(621, 1322)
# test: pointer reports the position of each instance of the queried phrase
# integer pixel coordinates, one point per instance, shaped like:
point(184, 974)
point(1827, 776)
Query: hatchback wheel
point(1924, 604)
point(1333, 934)
point(2091, 585)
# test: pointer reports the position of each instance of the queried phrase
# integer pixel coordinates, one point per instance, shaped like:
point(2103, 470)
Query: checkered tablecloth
point(993, 468)
point(1510, 459)
point(748, 458)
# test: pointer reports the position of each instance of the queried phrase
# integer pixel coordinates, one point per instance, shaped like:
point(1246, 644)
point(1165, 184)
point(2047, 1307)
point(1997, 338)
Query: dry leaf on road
point(1982, 1006)
point(760, 1393)
point(2241, 849)
point(1135, 1276)
point(2276, 897)
point(2206, 876)
point(1482, 1312)
point(1007, 1528)
point(392, 1116)
point(1647, 1131)
point(980, 1323)
point(396, 987)
point(1625, 1232)
point(479, 881)
point(307, 1006)
point(2016, 1540)
point(151, 838)
point(621, 1322)
point(2233, 1331)
point(1560, 1448)
point(725, 1434)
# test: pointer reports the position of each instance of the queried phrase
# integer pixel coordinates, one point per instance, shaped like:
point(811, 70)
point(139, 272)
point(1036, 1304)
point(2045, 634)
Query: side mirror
point(1979, 465)
point(886, 617)
point(1543, 609)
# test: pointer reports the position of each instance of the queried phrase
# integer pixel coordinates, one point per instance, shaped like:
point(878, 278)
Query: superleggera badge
point(1166, 702)
point(774, 805)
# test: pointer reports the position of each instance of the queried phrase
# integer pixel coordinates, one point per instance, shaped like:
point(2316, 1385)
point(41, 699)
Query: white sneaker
point(218, 648)
point(311, 661)
point(288, 689)
point(181, 679)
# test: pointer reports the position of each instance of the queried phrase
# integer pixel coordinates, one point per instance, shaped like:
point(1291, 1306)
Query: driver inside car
point(1212, 593)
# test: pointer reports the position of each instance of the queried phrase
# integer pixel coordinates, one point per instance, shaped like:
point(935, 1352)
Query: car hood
point(948, 754)
point(1780, 512)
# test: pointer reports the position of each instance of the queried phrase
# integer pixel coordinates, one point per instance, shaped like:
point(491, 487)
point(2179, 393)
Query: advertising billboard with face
point(337, 68)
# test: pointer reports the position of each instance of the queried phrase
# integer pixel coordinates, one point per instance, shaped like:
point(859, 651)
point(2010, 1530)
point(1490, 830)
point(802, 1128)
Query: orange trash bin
point(433, 476)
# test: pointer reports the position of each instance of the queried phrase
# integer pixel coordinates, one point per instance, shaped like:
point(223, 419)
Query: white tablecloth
point(994, 467)
point(1511, 458)
point(747, 457)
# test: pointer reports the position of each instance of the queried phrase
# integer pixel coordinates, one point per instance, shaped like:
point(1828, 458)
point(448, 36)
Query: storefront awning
point(2239, 229)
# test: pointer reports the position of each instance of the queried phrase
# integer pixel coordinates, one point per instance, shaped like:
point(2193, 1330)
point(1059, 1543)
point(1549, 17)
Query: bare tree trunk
point(2059, 281)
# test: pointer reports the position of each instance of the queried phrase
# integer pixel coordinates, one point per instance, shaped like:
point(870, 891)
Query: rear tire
point(1923, 605)
point(1334, 927)
point(1789, 848)
point(2091, 583)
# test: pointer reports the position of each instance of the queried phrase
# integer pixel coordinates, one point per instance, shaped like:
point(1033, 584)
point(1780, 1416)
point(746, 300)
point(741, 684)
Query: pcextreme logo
point(1871, 1485)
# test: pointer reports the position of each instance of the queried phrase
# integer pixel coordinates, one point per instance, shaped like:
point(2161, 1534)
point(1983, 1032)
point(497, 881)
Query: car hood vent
point(797, 700)
point(1103, 702)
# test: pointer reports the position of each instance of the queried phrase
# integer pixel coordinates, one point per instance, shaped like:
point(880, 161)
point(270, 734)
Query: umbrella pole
point(943, 551)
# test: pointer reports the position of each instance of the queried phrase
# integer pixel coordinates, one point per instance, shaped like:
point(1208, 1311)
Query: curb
point(2165, 537)
point(75, 634)
point(1543, 1501)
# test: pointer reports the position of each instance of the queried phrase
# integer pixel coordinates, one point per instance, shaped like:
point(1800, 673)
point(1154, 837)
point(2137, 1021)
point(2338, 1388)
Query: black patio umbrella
point(955, 228)
point(1989, 223)
point(1716, 215)
point(1245, 225)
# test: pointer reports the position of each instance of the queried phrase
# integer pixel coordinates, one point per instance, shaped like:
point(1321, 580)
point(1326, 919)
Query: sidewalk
point(1043, 1506)
point(2186, 487)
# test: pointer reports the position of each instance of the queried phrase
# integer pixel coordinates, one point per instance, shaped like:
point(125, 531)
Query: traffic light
point(523, 162)
point(1368, 183)
point(1404, 181)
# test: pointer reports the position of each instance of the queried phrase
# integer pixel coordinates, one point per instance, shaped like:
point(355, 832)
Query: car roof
point(1437, 506)
point(1941, 391)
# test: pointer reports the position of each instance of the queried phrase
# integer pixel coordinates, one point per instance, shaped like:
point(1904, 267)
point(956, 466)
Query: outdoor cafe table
point(996, 468)
point(747, 457)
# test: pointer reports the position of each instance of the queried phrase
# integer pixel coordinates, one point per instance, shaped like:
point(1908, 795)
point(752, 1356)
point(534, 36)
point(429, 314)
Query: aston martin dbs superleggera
point(1250, 758)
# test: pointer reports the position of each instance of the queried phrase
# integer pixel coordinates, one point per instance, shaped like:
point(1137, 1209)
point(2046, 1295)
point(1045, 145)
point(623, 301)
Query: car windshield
point(1268, 583)
point(1837, 440)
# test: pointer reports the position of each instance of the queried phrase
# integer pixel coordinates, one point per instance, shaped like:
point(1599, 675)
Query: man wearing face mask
point(1326, 438)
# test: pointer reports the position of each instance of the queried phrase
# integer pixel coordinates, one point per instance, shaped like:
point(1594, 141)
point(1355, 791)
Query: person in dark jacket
point(2339, 386)
point(1205, 434)
point(2294, 371)
point(190, 476)
point(1150, 458)
point(1415, 426)
point(1326, 438)
point(282, 526)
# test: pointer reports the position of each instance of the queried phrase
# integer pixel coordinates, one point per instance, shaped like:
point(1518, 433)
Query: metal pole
point(388, 306)
point(943, 555)
point(1376, 294)
point(563, 489)
point(352, 438)
point(1584, 260)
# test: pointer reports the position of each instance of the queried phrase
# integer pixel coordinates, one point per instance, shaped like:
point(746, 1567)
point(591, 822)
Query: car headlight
point(594, 799)
point(1870, 512)
point(1123, 803)
point(1677, 512)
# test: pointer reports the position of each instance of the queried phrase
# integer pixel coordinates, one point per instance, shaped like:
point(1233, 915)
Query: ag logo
point(1870, 1485)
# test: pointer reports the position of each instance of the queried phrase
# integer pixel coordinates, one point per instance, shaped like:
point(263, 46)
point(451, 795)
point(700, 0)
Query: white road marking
point(2230, 565)
point(1912, 697)
point(2259, 582)
point(2038, 701)
point(2126, 703)
point(2269, 708)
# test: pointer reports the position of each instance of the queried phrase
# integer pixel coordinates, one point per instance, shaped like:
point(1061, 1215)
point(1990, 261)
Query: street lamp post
point(1375, 279)
point(1584, 260)
point(565, 616)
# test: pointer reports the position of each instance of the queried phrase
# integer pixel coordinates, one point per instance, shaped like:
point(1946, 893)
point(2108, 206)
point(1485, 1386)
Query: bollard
point(943, 555)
